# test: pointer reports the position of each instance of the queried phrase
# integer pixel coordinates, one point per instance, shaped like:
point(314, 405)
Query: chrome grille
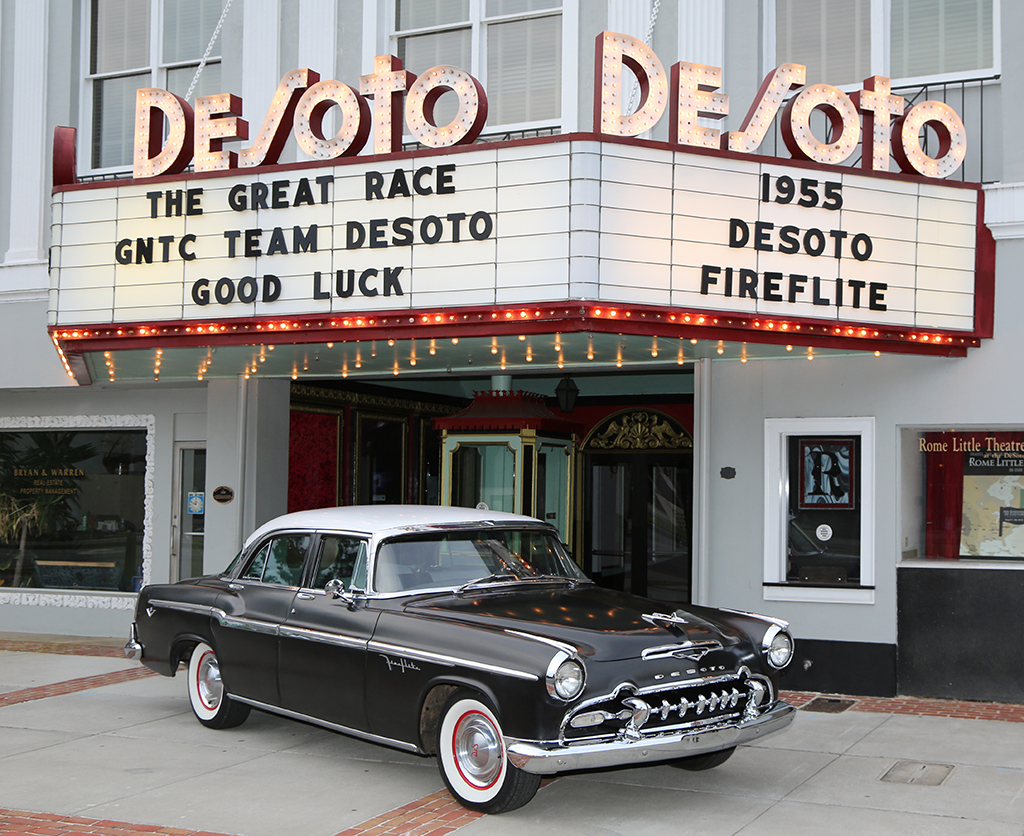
point(638, 713)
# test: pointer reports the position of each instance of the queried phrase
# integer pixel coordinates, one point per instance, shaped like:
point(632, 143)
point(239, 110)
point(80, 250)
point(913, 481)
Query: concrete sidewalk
point(99, 748)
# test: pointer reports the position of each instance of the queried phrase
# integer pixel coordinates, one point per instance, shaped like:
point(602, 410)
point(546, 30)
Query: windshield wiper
point(496, 577)
point(549, 577)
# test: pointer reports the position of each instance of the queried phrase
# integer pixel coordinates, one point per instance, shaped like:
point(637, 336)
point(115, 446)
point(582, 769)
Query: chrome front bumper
point(541, 758)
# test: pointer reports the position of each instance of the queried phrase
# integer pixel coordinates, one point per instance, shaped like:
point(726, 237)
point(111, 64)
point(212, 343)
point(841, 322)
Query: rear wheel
point(472, 760)
point(709, 760)
point(211, 703)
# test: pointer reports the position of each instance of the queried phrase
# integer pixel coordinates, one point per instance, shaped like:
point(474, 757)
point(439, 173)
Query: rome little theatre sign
point(699, 223)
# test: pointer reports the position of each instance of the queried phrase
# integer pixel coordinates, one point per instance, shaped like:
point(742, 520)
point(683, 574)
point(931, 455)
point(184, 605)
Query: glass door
point(639, 510)
point(190, 513)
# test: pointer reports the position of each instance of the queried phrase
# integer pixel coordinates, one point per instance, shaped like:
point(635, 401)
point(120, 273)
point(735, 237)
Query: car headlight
point(777, 645)
point(565, 677)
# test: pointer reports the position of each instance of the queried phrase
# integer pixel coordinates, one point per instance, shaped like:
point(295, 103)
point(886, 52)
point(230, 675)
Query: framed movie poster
point(826, 473)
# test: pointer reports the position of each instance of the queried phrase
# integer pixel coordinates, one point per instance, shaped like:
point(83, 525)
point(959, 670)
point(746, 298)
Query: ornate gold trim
point(638, 429)
point(303, 396)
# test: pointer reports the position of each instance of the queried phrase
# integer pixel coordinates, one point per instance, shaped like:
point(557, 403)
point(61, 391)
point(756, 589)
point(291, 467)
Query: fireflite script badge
point(402, 665)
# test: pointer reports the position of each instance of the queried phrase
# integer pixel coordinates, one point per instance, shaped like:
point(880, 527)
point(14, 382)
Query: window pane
point(422, 52)
point(963, 494)
point(515, 7)
point(209, 84)
point(339, 558)
point(120, 35)
point(930, 38)
point(72, 509)
point(188, 25)
point(255, 570)
point(381, 465)
point(524, 60)
point(285, 559)
point(484, 473)
point(831, 37)
point(417, 14)
point(823, 534)
point(113, 120)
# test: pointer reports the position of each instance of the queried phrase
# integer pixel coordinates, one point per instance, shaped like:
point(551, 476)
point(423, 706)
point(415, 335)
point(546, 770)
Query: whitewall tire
point(210, 700)
point(472, 760)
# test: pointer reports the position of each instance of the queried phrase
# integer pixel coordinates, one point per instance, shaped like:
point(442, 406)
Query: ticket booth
point(508, 452)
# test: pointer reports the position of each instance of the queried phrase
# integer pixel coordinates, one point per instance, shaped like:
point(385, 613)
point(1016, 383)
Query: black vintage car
point(467, 635)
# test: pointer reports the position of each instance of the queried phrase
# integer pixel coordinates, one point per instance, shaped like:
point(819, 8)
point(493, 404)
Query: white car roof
point(379, 519)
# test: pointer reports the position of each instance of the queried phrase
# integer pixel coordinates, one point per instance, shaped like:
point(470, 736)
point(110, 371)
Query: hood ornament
point(661, 619)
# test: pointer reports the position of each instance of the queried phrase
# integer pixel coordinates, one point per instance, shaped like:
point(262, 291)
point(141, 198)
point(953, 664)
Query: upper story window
point(141, 43)
point(845, 41)
point(513, 47)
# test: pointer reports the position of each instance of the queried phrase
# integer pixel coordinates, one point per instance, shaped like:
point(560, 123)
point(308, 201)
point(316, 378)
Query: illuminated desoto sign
point(687, 91)
point(597, 231)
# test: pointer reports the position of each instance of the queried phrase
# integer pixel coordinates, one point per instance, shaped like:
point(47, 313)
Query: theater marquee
point(699, 228)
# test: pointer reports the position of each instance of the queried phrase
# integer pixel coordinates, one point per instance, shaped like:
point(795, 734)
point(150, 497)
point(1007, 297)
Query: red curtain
point(944, 496)
point(312, 461)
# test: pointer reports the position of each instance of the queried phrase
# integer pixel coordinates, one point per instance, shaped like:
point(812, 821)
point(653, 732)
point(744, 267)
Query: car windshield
point(453, 559)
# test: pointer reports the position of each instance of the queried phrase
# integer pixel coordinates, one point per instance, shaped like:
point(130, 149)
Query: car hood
point(599, 622)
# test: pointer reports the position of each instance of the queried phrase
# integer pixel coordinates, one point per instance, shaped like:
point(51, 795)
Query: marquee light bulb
point(614, 51)
point(841, 114)
point(314, 105)
point(423, 96)
point(769, 99)
point(952, 136)
point(692, 97)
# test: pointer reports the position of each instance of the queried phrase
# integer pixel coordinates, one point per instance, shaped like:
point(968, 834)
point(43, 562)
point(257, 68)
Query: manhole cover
point(915, 772)
point(828, 705)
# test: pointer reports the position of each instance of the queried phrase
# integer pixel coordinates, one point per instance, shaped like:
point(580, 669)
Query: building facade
point(725, 290)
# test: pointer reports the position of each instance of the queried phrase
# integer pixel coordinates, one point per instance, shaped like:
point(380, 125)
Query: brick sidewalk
point(437, 814)
point(41, 824)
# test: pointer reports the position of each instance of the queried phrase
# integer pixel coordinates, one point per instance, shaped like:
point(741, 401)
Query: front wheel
point(210, 700)
point(472, 760)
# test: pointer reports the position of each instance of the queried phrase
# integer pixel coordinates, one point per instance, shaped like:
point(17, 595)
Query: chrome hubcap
point(211, 689)
point(478, 750)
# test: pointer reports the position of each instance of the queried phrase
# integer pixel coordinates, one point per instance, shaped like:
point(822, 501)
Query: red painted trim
point(565, 317)
point(64, 163)
point(984, 275)
point(598, 74)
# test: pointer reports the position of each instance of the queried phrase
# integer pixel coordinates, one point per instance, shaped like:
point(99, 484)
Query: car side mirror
point(335, 588)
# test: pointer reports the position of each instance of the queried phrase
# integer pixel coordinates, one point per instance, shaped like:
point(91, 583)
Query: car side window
point(284, 562)
point(254, 571)
point(343, 558)
point(279, 560)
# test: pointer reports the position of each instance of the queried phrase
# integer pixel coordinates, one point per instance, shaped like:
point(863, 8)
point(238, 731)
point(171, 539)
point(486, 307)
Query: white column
point(629, 17)
point(318, 26)
point(261, 58)
point(702, 482)
point(29, 141)
point(702, 32)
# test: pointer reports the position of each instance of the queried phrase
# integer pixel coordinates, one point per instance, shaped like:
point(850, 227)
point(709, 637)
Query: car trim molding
point(563, 646)
point(180, 606)
point(250, 624)
point(295, 715)
point(320, 636)
point(439, 658)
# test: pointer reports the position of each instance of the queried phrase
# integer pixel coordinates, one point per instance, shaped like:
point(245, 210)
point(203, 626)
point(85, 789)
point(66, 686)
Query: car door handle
point(305, 596)
point(237, 587)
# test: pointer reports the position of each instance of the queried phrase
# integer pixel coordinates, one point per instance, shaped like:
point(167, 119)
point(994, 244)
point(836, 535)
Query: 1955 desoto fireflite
point(469, 635)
